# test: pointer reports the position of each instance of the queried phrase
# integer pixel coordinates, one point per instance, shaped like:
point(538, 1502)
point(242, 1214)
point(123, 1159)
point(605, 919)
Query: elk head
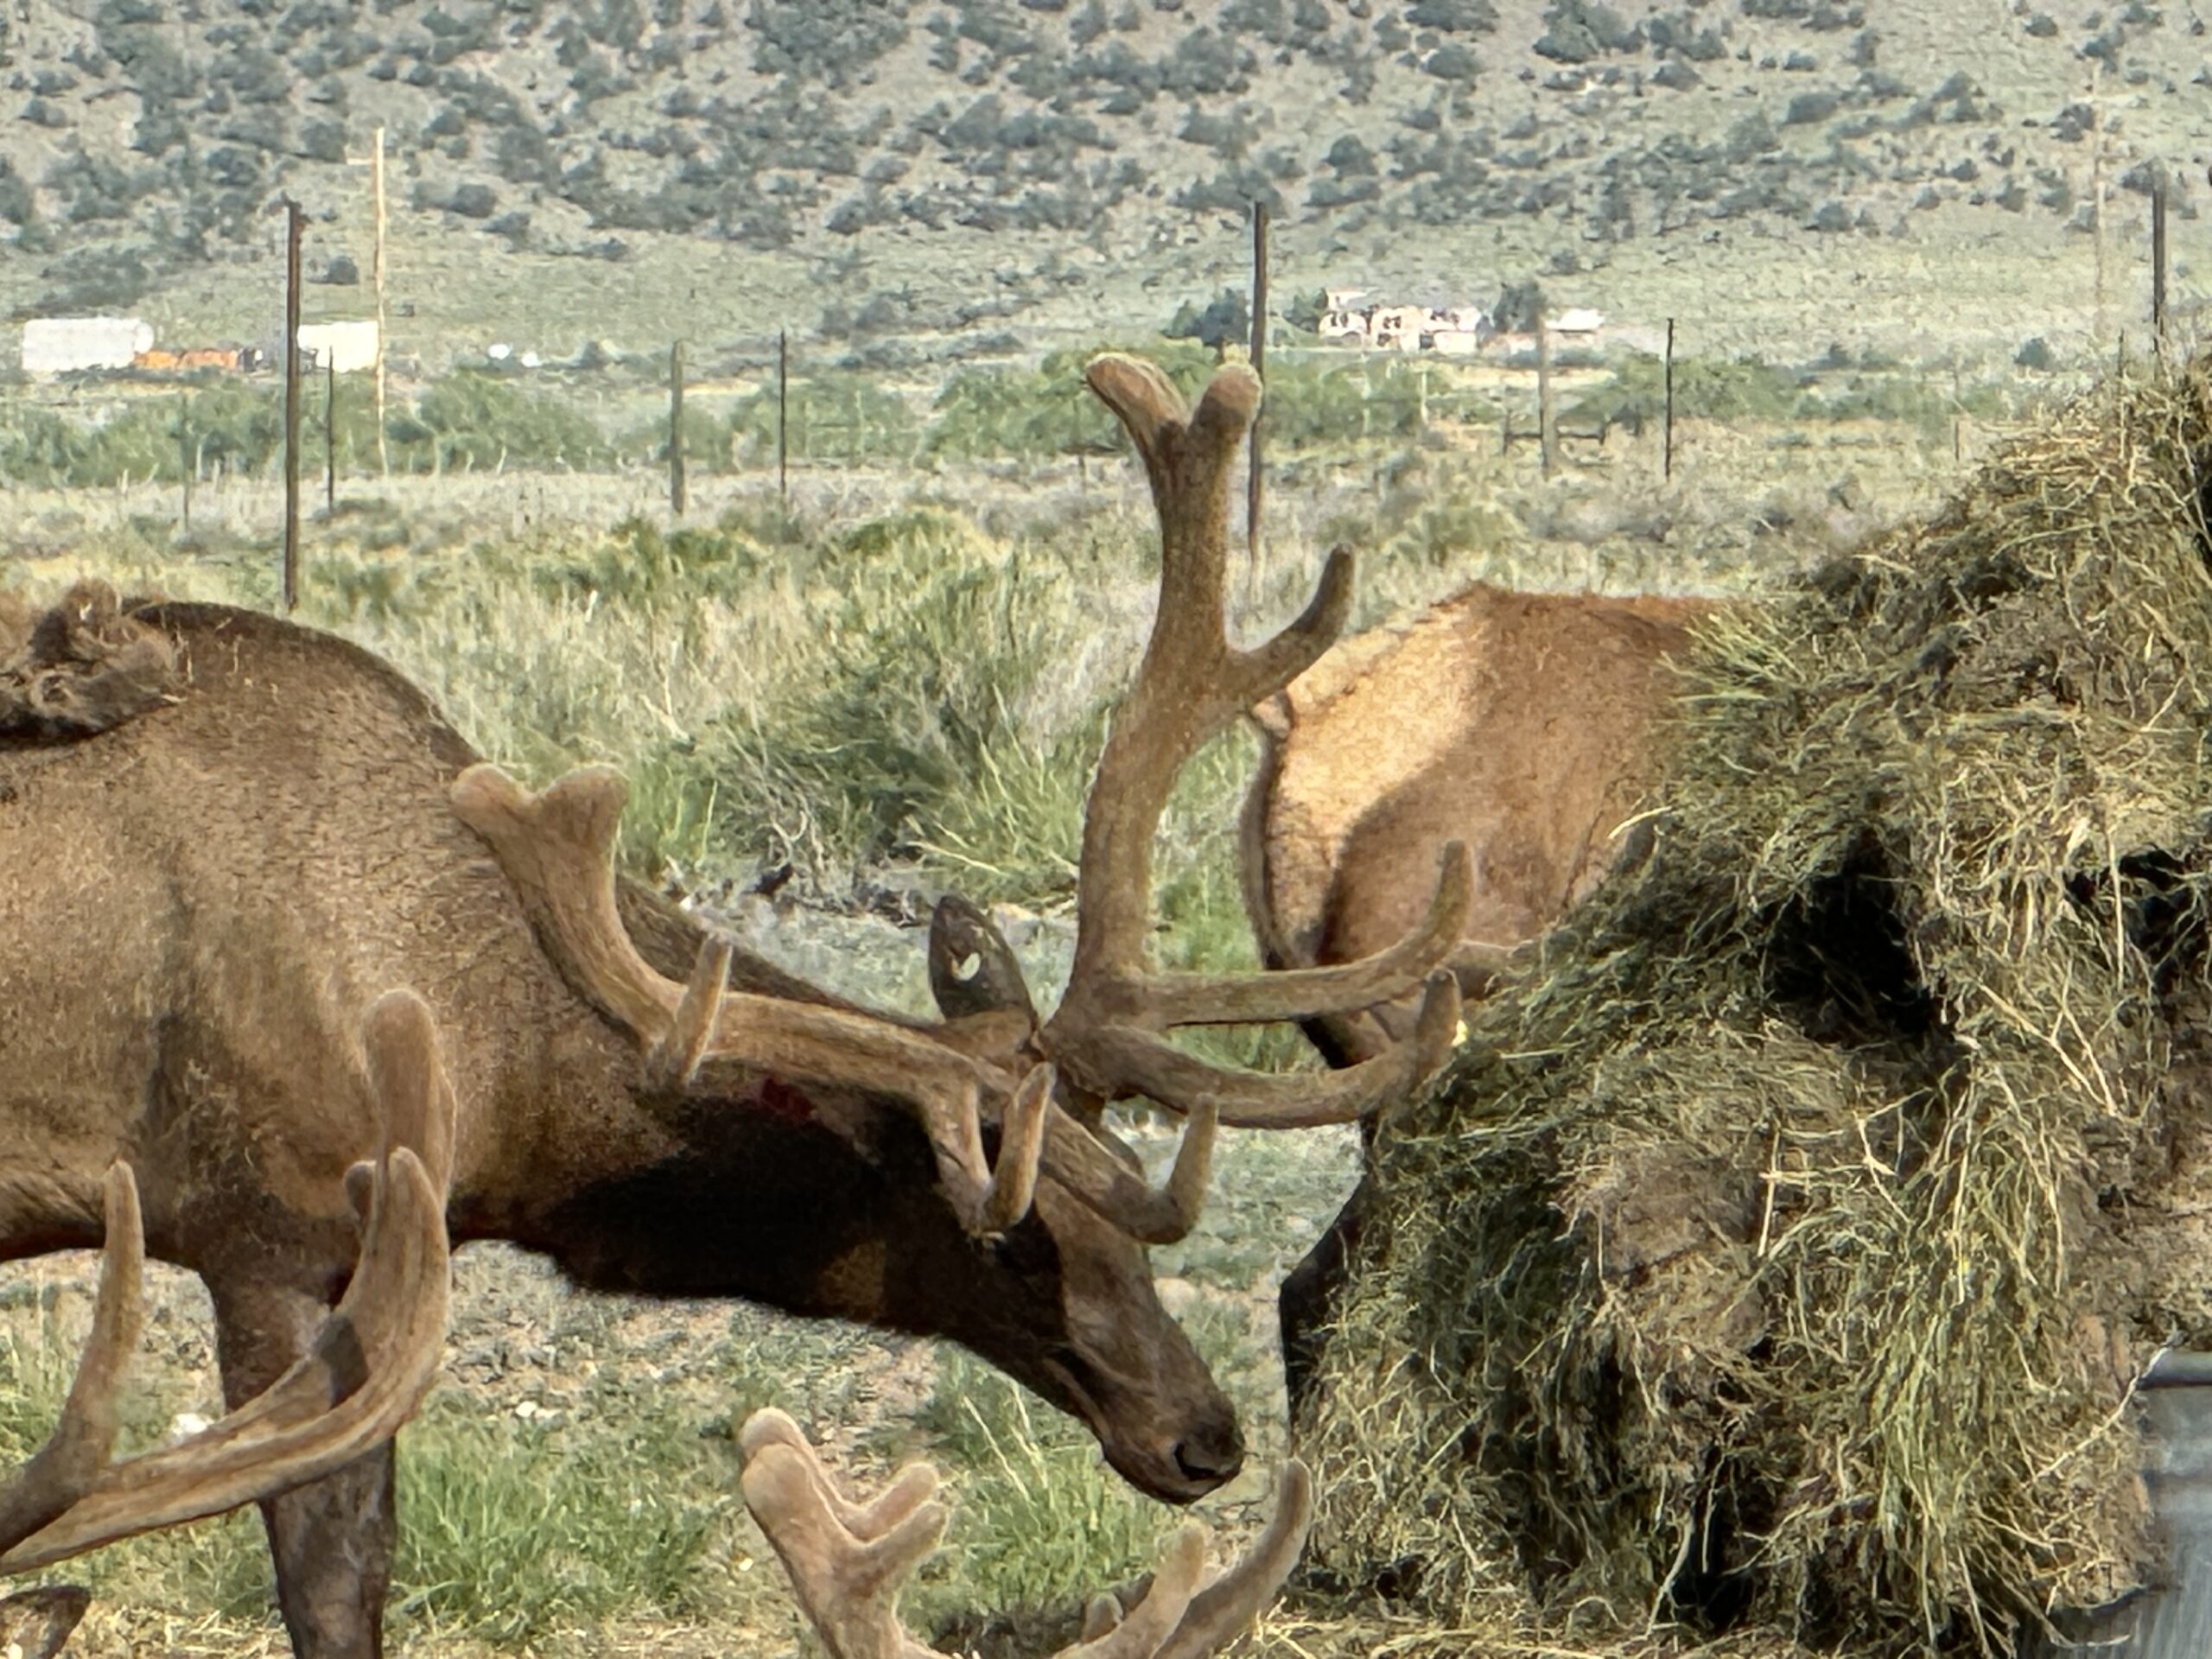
point(961, 1181)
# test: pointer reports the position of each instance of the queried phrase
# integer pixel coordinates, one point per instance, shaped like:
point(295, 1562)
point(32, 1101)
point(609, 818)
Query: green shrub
point(473, 420)
point(833, 416)
point(918, 725)
point(1746, 390)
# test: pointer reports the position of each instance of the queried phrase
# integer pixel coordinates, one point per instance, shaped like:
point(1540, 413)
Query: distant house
point(1342, 322)
point(72, 345)
point(1397, 327)
point(1581, 324)
point(1457, 330)
point(345, 346)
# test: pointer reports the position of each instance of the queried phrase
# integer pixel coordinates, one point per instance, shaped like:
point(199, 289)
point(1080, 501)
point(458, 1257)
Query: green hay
point(1774, 1265)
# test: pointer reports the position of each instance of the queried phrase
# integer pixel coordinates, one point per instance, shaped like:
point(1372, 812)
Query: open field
point(893, 685)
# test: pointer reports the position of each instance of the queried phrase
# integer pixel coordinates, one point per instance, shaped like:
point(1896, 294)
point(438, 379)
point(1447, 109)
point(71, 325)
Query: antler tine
point(846, 1561)
point(72, 1457)
point(1296, 993)
point(1139, 1632)
point(369, 1366)
point(1190, 684)
point(1108, 1035)
point(1074, 1157)
point(1202, 1621)
point(992, 993)
point(1232, 1601)
point(847, 1580)
point(1143, 1063)
point(917, 1482)
point(557, 848)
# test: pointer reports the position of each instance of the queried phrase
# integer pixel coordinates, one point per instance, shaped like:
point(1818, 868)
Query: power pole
point(376, 169)
point(2097, 184)
point(292, 223)
point(375, 187)
point(2158, 264)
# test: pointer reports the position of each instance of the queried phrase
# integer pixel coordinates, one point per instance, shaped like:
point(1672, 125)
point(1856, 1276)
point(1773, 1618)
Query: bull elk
point(847, 1561)
point(1528, 726)
point(222, 834)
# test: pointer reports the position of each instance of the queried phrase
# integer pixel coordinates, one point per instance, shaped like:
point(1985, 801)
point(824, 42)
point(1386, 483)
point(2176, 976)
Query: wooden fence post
point(1669, 442)
point(783, 415)
point(1544, 435)
point(184, 456)
point(330, 438)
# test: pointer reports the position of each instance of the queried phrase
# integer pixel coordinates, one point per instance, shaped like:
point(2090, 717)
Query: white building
point(345, 346)
point(68, 345)
point(1454, 330)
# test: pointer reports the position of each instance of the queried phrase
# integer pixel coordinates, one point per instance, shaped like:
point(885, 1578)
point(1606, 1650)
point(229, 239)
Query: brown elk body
point(1528, 726)
point(202, 886)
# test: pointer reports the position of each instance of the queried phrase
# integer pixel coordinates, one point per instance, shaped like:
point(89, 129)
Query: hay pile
point(1776, 1265)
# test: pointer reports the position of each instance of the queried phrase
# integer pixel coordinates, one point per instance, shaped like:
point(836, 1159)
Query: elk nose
point(1212, 1454)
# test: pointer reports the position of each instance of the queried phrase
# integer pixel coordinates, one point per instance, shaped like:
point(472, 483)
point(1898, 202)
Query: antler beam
point(847, 1561)
point(366, 1371)
point(557, 848)
point(1108, 1034)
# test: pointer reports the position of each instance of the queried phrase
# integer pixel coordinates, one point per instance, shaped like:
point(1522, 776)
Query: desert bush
point(833, 416)
point(475, 420)
point(1746, 389)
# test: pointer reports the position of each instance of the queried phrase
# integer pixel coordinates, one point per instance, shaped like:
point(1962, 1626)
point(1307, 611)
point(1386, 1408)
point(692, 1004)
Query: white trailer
point(71, 345)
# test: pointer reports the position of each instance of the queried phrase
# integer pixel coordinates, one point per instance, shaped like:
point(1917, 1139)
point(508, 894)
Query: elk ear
point(972, 969)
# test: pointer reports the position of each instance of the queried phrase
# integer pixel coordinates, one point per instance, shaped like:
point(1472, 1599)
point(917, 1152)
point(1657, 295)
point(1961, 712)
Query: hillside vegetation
point(901, 169)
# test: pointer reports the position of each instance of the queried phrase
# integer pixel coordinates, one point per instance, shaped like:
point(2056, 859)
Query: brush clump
point(1774, 1265)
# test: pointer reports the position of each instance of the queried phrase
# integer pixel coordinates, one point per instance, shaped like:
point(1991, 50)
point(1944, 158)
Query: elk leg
point(331, 1539)
point(1307, 1300)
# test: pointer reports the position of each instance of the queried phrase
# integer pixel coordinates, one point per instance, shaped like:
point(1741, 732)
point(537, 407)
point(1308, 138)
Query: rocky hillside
point(907, 167)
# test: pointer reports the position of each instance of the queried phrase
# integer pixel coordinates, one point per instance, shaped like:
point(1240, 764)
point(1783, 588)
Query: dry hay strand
point(1776, 1264)
point(82, 667)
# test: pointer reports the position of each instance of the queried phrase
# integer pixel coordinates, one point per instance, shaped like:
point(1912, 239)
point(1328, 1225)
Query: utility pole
point(2097, 184)
point(376, 169)
point(1254, 484)
point(292, 222)
point(375, 187)
point(2158, 264)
